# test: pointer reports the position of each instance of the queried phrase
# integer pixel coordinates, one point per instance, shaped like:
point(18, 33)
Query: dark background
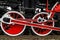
point(29, 9)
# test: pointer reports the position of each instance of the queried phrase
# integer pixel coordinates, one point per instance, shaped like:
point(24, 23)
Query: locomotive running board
point(20, 22)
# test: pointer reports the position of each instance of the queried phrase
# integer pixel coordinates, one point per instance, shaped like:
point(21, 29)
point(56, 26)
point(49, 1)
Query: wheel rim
point(15, 29)
point(39, 31)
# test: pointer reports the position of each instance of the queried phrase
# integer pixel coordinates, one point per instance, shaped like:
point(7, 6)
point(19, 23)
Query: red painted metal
point(20, 22)
point(56, 9)
point(35, 20)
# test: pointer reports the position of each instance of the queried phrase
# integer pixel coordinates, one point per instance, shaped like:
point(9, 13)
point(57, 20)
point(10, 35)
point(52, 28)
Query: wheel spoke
point(12, 29)
point(43, 20)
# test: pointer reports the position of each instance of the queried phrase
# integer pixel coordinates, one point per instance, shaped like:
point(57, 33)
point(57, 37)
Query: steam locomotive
point(31, 10)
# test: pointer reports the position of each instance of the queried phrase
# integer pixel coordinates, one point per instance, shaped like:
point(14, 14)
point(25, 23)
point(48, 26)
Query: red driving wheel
point(41, 18)
point(12, 29)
